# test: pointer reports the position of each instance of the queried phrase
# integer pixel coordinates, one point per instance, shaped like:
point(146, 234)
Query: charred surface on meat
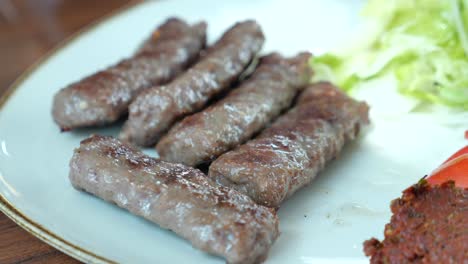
point(103, 97)
point(213, 218)
point(289, 154)
point(155, 110)
point(205, 135)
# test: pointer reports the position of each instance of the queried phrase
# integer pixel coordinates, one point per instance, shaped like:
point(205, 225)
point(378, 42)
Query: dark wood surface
point(29, 29)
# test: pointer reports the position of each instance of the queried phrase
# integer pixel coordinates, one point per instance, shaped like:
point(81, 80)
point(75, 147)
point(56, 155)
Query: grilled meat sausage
point(216, 219)
point(103, 97)
point(290, 153)
point(155, 110)
point(244, 111)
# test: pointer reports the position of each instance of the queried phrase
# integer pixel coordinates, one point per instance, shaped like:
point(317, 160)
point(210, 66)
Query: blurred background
point(28, 30)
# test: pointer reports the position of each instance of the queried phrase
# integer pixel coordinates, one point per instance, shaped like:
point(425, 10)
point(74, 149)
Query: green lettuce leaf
point(424, 43)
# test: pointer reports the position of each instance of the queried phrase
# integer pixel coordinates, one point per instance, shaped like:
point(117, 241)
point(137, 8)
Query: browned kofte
point(155, 110)
point(216, 219)
point(429, 225)
point(246, 110)
point(291, 152)
point(104, 96)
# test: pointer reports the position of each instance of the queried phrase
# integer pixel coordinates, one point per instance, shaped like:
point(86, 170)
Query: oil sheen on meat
point(247, 109)
point(103, 97)
point(289, 154)
point(155, 110)
point(216, 219)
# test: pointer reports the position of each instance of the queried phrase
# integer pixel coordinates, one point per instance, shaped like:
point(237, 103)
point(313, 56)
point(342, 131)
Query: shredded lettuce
point(424, 43)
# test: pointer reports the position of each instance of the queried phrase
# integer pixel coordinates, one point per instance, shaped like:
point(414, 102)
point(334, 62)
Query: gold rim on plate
point(6, 206)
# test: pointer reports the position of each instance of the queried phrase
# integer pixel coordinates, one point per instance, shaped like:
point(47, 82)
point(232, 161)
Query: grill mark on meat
point(155, 110)
point(289, 154)
point(213, 218)
point(204, 136)
point(103, 97)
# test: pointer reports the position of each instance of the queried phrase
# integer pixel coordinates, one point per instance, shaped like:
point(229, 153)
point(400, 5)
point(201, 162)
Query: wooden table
point(29, 29)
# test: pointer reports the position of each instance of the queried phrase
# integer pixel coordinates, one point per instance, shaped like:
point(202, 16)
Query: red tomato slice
point(455, 169)
point(458, 153)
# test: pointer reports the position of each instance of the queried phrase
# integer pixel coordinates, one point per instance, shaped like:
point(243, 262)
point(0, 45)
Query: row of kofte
point(165, 88)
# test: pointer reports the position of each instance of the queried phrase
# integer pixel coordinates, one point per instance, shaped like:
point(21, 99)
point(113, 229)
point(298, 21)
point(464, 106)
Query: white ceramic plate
point(324, 223)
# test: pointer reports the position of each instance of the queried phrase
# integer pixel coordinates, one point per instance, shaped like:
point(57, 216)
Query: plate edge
point(6, 206)
point(49, 237)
